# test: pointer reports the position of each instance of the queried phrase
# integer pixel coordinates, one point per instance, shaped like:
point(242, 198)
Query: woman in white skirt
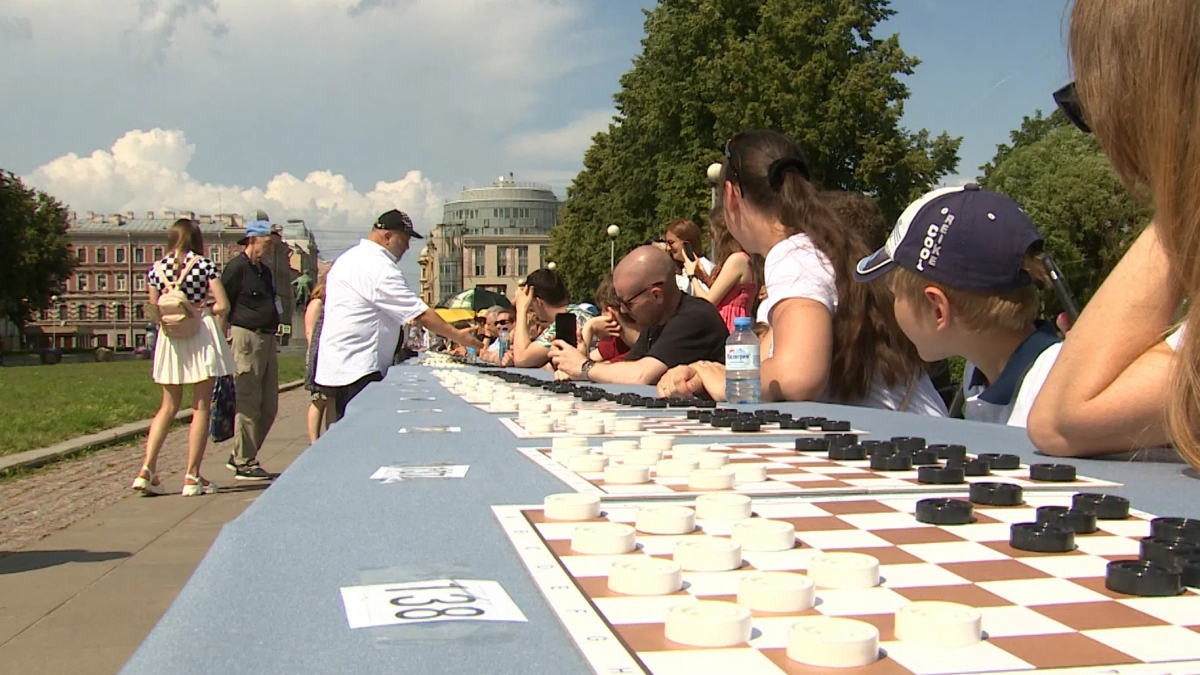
point(197, 360)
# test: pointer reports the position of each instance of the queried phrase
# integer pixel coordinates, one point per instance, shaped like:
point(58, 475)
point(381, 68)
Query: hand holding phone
point(687, 250)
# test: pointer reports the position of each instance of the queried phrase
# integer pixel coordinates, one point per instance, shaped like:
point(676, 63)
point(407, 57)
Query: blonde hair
point(1136, 65)
point(1011, 310)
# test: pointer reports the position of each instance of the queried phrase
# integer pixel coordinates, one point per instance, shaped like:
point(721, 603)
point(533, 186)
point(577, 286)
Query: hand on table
point(567, 359)
point(560, 376)
point(702, 377)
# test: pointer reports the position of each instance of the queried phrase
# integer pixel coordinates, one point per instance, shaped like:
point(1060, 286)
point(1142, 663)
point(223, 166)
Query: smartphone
point(687, 250)
point(1059, 282)
point(564, 328)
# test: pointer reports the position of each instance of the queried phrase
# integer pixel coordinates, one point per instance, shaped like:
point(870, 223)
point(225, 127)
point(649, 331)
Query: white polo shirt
point(366, 303)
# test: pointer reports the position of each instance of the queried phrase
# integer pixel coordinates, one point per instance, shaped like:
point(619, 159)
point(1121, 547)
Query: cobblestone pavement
point(51, 498)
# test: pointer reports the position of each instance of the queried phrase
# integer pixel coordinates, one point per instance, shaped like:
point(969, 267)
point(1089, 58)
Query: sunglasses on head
point(1067, 99)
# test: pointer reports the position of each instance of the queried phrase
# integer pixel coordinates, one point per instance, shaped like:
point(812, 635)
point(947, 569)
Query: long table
point(265, 599)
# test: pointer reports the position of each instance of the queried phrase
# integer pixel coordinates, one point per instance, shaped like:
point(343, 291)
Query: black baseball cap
point(397, 221)
point(964, 237)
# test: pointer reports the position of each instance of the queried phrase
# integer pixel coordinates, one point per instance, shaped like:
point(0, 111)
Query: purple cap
point(964, 237)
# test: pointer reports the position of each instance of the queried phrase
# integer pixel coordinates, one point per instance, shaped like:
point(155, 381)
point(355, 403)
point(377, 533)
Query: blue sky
point(337, 110)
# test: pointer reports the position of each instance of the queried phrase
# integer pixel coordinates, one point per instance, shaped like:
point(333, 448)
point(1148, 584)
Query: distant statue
point(302, 286)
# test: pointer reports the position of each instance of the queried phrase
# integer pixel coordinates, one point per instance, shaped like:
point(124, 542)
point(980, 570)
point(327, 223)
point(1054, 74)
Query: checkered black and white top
point(195, 286)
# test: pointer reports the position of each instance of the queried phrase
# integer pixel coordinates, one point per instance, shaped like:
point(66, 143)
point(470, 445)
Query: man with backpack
point(254, 320)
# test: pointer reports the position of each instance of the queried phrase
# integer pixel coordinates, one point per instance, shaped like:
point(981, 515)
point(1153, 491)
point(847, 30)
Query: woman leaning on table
point(196, 360)
point(832, 339)
point(1127, 376)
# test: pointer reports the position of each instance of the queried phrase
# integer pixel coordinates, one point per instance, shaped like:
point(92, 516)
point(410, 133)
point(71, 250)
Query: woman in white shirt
point(832, 340)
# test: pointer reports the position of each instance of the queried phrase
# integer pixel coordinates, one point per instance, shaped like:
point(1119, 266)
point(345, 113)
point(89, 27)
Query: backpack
point(178, 316)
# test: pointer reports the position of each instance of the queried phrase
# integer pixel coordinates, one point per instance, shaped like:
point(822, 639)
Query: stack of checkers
point(659, 466)
point(883, 586)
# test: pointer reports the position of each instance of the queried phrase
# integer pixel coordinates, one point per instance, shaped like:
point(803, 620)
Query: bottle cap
point(741, 322)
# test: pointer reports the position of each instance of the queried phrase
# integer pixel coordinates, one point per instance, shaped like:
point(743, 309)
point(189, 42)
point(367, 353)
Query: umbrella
point(474, 299)
point(455, 315)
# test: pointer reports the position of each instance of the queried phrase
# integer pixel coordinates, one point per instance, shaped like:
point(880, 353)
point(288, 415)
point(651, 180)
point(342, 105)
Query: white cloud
point(147, 171)
point(957, 180)
point(567, 143)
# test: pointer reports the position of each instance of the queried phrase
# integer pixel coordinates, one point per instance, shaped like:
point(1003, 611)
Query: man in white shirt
point(366, 303)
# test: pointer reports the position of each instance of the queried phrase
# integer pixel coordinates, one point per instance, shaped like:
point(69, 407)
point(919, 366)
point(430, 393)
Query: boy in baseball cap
point(966, 274)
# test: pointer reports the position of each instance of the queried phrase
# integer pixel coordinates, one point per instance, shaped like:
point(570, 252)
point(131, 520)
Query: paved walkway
point(80, 600)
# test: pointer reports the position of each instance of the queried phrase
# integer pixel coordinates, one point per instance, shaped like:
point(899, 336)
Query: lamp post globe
point(613, 231)
point(552, 266)
point(714, 172)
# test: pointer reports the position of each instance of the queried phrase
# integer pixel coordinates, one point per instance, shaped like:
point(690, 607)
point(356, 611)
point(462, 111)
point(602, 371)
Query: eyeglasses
point(1067, 99)
point(504, 322)
point(627, 305)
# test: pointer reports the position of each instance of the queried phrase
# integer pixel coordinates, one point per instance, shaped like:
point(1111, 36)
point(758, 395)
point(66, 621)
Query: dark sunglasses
point(503, 323)
point(1067, 99)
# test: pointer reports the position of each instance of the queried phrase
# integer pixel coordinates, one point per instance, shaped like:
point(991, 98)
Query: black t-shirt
point(696, 332)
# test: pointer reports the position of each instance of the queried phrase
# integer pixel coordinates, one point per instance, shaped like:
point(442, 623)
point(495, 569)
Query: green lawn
point(43, 405)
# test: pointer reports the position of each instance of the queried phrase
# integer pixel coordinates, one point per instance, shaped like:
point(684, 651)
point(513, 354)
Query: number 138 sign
point(424, 601)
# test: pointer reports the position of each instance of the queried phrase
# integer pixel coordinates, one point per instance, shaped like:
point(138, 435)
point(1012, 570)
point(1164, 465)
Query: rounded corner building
point(489, 237)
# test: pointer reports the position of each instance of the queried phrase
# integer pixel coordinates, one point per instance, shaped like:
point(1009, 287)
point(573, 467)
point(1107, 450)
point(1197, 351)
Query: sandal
point(147, 483)
point(197, 487)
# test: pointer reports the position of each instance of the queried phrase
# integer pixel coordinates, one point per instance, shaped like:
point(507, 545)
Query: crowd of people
point(841, 316)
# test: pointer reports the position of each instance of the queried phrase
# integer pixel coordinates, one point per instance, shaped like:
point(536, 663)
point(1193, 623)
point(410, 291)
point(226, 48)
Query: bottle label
point(741, 357)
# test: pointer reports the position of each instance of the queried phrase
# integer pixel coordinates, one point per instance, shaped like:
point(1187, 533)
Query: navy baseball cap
point(964, 237)
point(397, 221)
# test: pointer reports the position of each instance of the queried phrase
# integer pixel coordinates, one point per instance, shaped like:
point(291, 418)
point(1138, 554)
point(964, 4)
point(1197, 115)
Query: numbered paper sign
point(425, 601)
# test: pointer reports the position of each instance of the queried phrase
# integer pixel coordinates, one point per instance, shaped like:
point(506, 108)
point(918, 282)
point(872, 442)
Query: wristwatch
point(586, 368)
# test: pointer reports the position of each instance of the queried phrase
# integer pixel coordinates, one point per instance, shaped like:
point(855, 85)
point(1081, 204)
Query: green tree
point(709, 68)
point(35, 259)
point(1066, 184)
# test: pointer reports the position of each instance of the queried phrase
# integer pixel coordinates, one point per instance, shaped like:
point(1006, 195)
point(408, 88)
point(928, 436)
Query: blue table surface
point(265, 599)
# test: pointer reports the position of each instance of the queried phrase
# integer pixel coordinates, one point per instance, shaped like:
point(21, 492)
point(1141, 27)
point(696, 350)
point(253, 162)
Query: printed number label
point(440, 600)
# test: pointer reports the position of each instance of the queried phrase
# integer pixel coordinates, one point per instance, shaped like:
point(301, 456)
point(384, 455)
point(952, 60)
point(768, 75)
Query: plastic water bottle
point(503, 348)
point(741, 363)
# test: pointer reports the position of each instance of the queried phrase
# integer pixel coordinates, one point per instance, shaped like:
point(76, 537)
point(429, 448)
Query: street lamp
point(613, 231)
point(552, 266)
point(714, 175)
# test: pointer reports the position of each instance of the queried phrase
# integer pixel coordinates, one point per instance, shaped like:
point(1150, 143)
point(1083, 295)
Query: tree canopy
point(35, 259)
point(1066, 184)
point(812, 69)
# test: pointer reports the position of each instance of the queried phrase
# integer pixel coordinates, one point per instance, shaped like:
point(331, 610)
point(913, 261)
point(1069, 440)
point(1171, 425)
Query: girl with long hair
point(832, 339)
point(683, 231)
point(1128, 377)
point(732, 287)
point(321, 411)
point(196, 360)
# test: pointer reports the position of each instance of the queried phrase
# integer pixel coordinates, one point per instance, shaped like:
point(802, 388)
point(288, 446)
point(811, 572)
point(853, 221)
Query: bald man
point(676, 329)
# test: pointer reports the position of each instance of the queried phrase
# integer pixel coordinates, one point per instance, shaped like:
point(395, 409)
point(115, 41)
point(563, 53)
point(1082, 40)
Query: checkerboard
point(485, 406)
point(1048, 612)
point(678, 425)
point(792, 473)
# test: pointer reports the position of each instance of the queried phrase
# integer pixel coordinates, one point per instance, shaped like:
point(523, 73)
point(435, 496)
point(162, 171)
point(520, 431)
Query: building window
point(101, 312)
point(543, 254)
point(62, 312)
point(44, 315)
point(158, 253)
point(140, 339)
point(81, 312)
point(138, 312)
point(101, 254)
point(81, 282)
point(121, 340)
point(102, 282)
point(81, 254)
point(139, 255)
point(121, 281)
point(139, 282)
point(480, 256)
point(120, 254)
point(501, 261)
point(120, 312)
point(522, 261)
point(214, 253)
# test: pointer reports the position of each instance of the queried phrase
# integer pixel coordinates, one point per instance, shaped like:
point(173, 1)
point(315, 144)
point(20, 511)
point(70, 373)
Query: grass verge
point(44, 405)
